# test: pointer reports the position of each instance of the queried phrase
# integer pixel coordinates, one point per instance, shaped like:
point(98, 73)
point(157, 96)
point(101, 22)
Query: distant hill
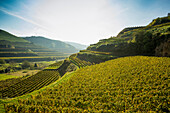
point(52, 44)
point(150, 40)
point(13, 46)
point(11, 38)
point(77, 45)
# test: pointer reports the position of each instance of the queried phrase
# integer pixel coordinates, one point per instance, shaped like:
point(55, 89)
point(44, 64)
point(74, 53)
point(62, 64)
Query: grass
point(6, 76)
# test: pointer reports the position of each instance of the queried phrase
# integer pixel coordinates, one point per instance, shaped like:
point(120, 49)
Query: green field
point(5, 76)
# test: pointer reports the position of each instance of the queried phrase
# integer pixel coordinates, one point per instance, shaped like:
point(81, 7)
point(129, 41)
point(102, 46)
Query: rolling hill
point(52, 44)
point(13, 47)
point(11, 38)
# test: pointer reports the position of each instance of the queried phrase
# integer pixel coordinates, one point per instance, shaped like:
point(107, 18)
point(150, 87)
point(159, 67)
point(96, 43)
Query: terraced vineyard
point(55, 65)
point(130, 84)
point(78, 62)
point(30, 84)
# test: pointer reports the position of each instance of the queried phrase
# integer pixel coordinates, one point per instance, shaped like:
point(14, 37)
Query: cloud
point(21, 17)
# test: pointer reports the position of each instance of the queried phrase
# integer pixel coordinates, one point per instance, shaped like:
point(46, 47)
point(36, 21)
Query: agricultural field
point(29, 81)
point(23, 73)
point(55, 65)
point(129, 84)
point(18, 69)
point(78, 62)
point(5, 83)
point(30, 84)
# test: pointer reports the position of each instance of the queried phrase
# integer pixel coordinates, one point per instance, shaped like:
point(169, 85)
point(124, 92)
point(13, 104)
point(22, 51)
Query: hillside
point(13, 47)
point(160, 21)
point(150, 40)
point(11, 38)
point(52, 44)
point(129, 84)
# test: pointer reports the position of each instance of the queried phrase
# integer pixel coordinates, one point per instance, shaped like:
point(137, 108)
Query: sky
point(81, 21)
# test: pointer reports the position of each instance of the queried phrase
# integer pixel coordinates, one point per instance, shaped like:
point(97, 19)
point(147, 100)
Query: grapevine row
point(78, 62)
point(30, 84)
point(131, 84)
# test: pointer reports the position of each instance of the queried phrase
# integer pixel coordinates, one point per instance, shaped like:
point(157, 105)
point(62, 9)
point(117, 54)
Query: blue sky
point(82, 21)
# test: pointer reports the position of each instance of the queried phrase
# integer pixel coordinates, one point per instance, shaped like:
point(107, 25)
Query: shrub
point(2, 61)
point(25, 64)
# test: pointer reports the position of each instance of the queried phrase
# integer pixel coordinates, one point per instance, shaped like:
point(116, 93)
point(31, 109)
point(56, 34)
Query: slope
point(150, 40)
point(9, 37)
point(129, 84)
point(13, 46)
point(52, 44)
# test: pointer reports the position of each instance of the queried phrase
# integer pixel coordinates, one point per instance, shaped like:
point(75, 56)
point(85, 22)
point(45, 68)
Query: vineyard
point(30, 84)
point(129, 84)
point(55, 65)
point(78, 62)
point(8, 82)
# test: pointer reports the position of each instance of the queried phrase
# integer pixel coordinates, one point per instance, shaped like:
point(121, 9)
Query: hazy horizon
point(80, 21)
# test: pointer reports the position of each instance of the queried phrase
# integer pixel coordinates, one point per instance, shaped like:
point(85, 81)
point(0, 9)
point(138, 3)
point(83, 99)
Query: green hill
point(11, 38)
point(52, 44)
point(160, 21)
point(16, 47)
point(129, 84)
point(150, 40)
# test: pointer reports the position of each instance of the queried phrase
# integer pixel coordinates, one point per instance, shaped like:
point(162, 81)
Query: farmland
point(129, 84)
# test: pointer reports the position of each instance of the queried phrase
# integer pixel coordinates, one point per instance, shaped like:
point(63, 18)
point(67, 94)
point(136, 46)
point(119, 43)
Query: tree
point(2, 61)
point(144, 43)
point(35, 65)
point(25, 64)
